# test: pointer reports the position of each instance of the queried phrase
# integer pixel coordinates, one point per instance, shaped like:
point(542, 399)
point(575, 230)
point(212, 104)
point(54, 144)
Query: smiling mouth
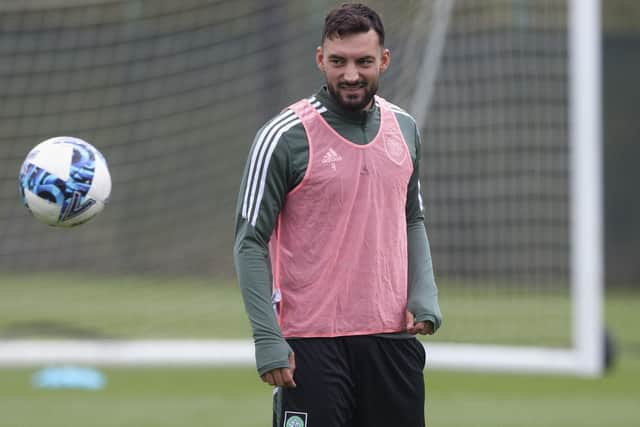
point(352, 87)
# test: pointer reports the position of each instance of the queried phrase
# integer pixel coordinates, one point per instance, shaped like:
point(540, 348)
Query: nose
point(351, 74)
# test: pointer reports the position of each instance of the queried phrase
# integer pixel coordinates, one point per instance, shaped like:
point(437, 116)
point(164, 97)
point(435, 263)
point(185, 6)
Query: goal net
point(505, 93)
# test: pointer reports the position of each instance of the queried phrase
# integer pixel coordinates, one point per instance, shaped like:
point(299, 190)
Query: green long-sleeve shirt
point(276, 164)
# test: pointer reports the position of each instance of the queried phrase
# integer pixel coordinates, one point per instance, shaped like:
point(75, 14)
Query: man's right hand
point(282, 377)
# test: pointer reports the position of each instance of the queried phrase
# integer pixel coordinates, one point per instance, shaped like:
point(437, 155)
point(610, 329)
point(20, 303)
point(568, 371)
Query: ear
point(320, 58)
point(386, 60)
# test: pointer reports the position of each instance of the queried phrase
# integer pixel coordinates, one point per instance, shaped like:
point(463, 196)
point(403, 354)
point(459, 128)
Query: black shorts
point(359, 381)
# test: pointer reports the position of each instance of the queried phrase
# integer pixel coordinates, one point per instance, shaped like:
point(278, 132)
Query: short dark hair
point(352, 18)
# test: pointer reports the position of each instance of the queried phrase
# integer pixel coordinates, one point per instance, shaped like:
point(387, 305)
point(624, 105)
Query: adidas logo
point(331, 157)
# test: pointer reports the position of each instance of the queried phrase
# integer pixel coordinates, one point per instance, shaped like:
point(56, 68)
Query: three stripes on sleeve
point(266, 142)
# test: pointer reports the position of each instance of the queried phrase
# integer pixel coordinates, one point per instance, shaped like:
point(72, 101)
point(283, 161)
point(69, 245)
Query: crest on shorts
point(394, 146)
point(295, 419)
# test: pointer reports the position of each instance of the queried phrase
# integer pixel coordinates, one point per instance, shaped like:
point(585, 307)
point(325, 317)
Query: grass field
point(203, 397)
point(61, 306)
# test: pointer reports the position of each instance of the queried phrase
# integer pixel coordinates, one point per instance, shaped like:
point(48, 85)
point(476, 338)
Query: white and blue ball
point(65, 181)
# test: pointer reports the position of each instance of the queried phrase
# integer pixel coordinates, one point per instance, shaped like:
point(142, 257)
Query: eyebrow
point(335, 56)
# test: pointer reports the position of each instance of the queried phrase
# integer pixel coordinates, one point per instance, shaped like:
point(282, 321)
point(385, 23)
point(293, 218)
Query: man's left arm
point(422, 295)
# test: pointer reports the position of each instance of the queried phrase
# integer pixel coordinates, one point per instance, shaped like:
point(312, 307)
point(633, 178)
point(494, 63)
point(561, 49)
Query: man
point(331, 250)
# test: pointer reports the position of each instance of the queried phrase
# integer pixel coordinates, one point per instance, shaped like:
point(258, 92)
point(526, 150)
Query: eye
point(365, 61)
point(336, 61)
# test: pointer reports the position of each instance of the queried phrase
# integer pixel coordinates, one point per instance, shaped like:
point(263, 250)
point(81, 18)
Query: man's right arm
point(263, 190)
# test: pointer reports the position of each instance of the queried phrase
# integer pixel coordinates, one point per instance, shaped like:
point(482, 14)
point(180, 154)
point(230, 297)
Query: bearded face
point(352, 66)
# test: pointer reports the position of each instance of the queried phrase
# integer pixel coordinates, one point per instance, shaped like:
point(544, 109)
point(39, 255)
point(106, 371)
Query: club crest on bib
point(394, 146)
point(295, 419)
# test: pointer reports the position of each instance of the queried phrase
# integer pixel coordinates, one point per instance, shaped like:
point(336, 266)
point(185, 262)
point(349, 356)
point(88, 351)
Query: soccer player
point(331, 249)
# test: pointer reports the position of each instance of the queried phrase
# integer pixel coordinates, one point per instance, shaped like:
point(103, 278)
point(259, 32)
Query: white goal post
point(586, 357)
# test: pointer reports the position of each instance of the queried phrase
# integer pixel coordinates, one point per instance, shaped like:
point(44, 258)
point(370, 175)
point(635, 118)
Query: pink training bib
point(339, 250)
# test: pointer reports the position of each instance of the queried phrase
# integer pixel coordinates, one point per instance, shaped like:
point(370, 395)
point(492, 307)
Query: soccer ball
point(64, 181)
